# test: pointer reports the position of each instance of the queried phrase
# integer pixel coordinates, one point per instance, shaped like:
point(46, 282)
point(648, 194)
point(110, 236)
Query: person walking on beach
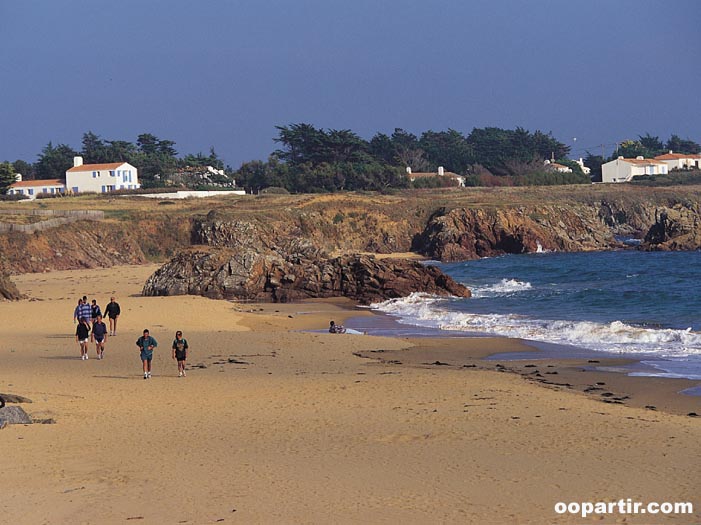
point(146, 344)
point(112, 310)
point(84, 310)
point(82, 334)
point(76, 312)
point(180, 347)
point(99, 336)
point(95, 311)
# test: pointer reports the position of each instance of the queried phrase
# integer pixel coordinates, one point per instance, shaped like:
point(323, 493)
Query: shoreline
point(598, 375)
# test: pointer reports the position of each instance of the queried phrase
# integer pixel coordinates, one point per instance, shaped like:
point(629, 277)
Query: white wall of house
point(33, 188)
point(623, 170)
point(102, 178)
point(682, 163)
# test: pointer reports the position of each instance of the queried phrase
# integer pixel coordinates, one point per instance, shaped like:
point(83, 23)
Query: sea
point(629, 303)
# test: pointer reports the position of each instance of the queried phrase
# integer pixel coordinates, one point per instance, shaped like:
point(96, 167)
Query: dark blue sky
point(223, 73)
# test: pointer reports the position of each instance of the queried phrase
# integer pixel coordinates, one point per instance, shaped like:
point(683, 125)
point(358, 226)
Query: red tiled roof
point(677, 156)
point(35, 183)
point(642, 162)
point(97, 167)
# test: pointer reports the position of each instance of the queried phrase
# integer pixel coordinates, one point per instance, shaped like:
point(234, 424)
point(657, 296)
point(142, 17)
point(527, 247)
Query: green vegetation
point(673, 178)
point(7, 176)
point(315, 160)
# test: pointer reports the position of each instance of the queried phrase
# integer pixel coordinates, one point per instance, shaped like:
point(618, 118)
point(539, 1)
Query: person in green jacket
point(146, 344)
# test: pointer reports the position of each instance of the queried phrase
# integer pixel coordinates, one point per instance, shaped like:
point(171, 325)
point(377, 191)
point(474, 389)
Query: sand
point(300, 429)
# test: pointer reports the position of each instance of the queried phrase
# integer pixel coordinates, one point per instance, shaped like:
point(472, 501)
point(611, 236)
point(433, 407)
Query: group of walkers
point(91, 328)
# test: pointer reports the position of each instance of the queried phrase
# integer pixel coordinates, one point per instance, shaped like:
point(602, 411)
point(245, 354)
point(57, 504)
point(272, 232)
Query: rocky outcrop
point(247, 274)
point(675, 228)
point(8, 290)
point(463, 234)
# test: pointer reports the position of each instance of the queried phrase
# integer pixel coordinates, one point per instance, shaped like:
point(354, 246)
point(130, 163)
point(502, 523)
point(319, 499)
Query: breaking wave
point(618, 337)
point(504, 287)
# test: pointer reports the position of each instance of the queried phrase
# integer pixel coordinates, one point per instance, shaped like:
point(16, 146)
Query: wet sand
point(275, 424)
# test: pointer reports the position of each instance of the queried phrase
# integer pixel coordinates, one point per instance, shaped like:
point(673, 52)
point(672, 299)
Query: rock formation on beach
point(8, 290)
point(248, 274)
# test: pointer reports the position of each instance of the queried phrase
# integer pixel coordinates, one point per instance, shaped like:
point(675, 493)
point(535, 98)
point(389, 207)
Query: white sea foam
point(504, 287)
point(430, 311)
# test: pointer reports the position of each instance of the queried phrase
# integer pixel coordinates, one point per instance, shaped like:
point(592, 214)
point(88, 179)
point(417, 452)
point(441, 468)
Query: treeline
point(311, 159)
point(156, 159)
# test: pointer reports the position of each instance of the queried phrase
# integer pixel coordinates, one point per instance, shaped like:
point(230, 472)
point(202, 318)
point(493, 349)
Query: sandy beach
point(277, 424)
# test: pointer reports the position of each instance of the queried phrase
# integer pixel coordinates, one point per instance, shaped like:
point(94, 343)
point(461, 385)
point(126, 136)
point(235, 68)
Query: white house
point(623, 170)
point(554, 166)
point(101, 178)
point(32, 188)
point(584, 169)
point(680, 161)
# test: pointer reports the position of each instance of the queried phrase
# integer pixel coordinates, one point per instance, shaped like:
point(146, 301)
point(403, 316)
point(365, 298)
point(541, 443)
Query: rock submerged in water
point(248, 274)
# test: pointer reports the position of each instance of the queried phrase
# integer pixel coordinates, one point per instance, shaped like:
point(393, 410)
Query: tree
point(54, 161)
point(382, 149)
point(94, 150)
point(630, 149)
point(7, 177)
point(120, 151)
point(679, 145)
point(653, 145)
point(448, 149)
point(594, 163)
point(24, 168)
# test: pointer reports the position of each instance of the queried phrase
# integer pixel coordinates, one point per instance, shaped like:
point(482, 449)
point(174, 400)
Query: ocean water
point(629, 303)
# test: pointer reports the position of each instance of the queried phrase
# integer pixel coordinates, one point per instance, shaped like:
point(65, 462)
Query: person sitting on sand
point(99, 336)
point(146, 344)
point(82, 332)
point(180, 347)
point(336, 328)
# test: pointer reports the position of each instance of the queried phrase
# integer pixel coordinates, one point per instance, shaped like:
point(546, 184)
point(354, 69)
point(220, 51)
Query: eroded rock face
point(247, 274)
point(463, 234)
point(675, 228)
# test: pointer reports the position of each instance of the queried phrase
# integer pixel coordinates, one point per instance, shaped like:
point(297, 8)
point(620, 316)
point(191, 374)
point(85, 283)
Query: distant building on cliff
point(623, 170)
point(554, 166)
point(101, 178)
point(680, 161)
point(32, 188)
point(458, 179)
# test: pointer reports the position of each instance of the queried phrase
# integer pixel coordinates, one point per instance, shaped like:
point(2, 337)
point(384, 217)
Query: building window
point(111, 173)
point(95, 174)
point(31, 191)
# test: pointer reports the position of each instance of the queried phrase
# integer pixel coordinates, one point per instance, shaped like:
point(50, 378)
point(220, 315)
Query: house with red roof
point(101, 178)
point(624, 170)
point(680, 161)
point(32, 188)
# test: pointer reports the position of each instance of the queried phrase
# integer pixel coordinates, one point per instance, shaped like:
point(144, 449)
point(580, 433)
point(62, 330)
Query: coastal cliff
point(446, 225)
